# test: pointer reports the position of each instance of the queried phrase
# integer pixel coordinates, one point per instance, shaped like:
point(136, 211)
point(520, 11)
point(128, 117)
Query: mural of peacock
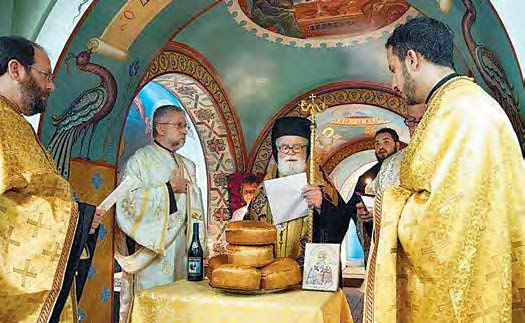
point(493, 73)
point(83, 113)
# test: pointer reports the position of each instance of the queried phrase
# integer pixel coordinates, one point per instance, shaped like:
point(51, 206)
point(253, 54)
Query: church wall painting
point(321, 18)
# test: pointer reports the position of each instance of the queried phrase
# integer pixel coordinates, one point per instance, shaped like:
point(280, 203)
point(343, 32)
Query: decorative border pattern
point(342, 153)
point(240, 17)
point(332, 95)
point(182, 71)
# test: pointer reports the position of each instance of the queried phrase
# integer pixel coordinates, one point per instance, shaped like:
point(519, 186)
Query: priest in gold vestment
point(290, 148)
point(452, 234)
point(43, 231)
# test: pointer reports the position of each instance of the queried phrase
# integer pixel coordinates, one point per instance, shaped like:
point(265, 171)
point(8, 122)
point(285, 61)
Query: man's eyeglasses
point(410, 122)
point(47, 75)
point(178, 125)
point(285, 149)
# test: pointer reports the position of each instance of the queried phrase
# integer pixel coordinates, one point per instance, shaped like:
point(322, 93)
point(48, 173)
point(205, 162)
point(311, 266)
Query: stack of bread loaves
point(249, 263)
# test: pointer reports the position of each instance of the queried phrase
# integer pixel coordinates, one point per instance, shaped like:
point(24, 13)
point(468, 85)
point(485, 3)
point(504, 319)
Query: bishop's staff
point(312, 108)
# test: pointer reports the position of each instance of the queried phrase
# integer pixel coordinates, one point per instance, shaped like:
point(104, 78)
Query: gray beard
point(287, 168)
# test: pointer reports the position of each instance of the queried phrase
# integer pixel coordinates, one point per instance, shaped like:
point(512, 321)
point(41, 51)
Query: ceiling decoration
point(320, 23)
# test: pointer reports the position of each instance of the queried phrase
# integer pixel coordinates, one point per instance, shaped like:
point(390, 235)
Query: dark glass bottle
point(195, 253)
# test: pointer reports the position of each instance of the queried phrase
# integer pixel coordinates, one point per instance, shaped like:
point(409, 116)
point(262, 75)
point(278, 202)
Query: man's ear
point(15, 69)
point(412, 60)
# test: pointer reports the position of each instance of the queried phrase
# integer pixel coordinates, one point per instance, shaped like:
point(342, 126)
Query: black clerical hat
point(290, 126)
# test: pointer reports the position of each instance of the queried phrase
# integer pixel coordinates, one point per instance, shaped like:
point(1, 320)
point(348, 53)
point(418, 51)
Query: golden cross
point(9, 234)
point(483, 311)
point(25, 272)
point(38, 225)
point(53, 253)
point(312, 107)
point(495, 272)
point(434, 244)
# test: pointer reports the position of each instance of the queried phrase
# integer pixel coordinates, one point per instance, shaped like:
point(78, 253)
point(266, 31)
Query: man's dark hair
point(251, 179)
point(14, 47)
point(431, 38)
point(390, 131)
point(160, 112)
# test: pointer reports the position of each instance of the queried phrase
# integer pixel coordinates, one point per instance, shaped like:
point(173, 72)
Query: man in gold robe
point(290, 148)
point(43, 231)
point(452, 239)
point(158, 210)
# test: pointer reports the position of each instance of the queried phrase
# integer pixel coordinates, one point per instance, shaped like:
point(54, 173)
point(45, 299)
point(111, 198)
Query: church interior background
point(235, 67)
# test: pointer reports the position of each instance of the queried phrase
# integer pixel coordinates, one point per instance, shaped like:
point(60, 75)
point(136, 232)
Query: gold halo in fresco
point(316, 22)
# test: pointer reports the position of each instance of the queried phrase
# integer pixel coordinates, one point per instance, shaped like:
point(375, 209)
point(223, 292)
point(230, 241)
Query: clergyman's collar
point(163, 147)
point(439, 84)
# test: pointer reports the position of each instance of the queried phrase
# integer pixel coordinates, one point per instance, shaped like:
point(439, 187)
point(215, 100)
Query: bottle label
point(194, 265)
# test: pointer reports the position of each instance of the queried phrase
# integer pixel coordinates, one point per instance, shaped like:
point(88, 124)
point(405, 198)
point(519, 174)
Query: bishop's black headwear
point(290, 126)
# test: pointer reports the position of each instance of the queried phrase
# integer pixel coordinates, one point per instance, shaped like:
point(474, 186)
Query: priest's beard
point(291, 165)
point(34, 96)
point(409, 87)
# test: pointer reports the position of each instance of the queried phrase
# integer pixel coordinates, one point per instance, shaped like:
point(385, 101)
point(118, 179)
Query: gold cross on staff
point(53, 253)
point(38, 225)
point(25, 272)
point(312, 107)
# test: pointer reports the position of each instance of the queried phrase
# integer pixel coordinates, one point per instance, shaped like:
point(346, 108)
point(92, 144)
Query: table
point(185, 301)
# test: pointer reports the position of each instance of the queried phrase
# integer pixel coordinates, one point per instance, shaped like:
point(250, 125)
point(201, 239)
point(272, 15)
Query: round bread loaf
point(215, 262)
point(255, 256)
point(236, 277)
point(281, 273)
point(250, 233)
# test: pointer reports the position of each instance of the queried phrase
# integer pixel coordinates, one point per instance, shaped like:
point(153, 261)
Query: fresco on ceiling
point(321, 18)
point(348, 122)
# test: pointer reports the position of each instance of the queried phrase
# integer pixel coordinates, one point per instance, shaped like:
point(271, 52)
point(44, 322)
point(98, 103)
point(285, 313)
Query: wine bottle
point(195, 253)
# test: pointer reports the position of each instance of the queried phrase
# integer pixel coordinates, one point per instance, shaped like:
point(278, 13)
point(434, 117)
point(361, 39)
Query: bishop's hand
point(313, 196)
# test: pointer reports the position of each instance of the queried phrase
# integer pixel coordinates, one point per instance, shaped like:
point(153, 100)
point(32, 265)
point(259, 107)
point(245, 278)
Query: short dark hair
point(431, 38)
point(390, 131)
point(160, 112)
point(251, 179)
point(19, 48)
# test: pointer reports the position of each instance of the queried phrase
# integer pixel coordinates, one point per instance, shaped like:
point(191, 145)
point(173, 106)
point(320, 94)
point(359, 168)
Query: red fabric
point(234, 188)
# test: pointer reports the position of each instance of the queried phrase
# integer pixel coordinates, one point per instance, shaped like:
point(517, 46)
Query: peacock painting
point(493, 73)
point(83, 114)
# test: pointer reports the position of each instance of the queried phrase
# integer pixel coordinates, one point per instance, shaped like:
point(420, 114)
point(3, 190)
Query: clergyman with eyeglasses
point(154, 216)
point(291, 150)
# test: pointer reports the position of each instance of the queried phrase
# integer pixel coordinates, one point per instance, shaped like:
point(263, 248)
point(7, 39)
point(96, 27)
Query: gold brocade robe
point(291, 236)
point(452, 240)
point(38, 219)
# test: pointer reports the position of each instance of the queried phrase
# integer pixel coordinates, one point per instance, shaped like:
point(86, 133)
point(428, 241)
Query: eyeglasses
point(47, 75)
point(285, 149)
point(410, 122)
point(178, 125)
